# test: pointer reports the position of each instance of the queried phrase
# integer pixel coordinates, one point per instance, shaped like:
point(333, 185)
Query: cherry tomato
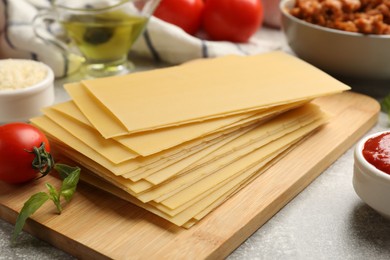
point(23, 153)
point(232, 20)
point(187, 14)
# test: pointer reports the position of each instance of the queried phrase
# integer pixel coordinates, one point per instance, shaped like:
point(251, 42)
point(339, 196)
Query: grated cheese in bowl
point(18, 74)
point(26, 86)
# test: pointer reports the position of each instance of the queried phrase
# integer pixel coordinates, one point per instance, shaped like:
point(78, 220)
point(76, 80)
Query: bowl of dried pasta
point(346, 38)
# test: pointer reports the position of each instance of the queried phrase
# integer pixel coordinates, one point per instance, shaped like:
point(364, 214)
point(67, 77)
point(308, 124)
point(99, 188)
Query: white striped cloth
point(161, 41)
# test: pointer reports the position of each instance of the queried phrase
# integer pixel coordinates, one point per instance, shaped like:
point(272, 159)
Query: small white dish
point(25, 103)
point(371, 184)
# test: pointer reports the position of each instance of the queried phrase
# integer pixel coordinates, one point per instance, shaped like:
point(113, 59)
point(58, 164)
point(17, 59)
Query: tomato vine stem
point(43, 160)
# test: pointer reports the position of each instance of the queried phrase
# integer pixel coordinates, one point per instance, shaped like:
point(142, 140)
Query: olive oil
point(104, 37)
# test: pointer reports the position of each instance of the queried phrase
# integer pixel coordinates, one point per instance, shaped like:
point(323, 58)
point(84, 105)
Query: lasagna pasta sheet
point(207, 89)
point(180, 141)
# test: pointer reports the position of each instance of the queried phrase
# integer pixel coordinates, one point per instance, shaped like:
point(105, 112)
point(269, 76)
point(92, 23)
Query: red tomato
point(187, 14)
point(232, 20)
point(17, 142)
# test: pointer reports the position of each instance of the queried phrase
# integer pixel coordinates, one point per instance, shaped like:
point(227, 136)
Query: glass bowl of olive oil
point(103, 31)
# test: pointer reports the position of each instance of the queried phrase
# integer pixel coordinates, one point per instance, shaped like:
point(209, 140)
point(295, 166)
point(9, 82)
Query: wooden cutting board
point(97, 224)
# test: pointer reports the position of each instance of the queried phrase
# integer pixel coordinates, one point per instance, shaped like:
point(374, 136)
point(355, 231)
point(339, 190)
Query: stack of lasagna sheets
point(179, 141)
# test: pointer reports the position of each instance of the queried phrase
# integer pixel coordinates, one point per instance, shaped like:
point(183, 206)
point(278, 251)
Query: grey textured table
point(325, 221)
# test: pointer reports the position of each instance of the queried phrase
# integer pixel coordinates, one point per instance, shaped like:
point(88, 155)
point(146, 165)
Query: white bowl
point(371, 184)
point(340, 53)
point(25, 103)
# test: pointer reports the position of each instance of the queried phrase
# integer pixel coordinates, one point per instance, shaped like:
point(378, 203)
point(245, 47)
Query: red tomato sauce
point(377, 152)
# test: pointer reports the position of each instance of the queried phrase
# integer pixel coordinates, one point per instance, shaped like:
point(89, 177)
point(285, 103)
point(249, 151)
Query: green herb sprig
point(385, 105)
point(70, 176)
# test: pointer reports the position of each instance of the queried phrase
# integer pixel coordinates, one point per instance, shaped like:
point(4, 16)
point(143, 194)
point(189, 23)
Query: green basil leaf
point(54, 196)
point(52, 191)
point(65, 170)
point(29, 207)
point(69, 184)
point(70, 176)
point(385, 105)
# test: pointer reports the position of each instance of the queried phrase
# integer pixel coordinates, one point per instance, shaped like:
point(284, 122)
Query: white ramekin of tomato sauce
point(371, 178)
